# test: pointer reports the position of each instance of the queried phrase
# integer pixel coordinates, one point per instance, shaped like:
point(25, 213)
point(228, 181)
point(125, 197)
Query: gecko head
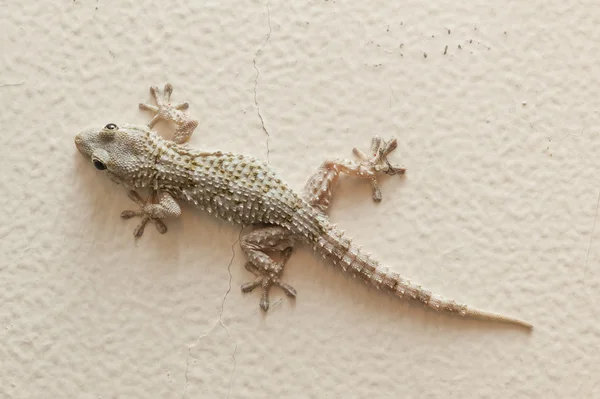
point(115, 149)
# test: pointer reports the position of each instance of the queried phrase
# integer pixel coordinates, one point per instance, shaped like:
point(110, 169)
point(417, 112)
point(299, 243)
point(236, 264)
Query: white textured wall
point(498, 209)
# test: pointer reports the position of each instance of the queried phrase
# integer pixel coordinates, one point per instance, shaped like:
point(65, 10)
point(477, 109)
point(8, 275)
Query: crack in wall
point(220, 322)
point(187, 368)
point(262, 121)
point(223, 307)
point(587, 256)
point(11, 84)
point(230, 277)
point(233, 370)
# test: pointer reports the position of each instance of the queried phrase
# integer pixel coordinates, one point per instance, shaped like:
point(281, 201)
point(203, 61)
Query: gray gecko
point(247, 191)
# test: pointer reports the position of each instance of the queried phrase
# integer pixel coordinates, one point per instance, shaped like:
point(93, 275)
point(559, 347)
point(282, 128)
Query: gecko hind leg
point(164, 110)
point(267, 271)
point(319, 187)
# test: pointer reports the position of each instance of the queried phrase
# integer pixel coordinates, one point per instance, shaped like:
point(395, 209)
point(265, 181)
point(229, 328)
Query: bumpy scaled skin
point(246, 191)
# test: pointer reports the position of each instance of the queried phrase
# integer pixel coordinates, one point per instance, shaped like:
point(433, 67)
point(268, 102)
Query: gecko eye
point(98, 165)
point(111, 126)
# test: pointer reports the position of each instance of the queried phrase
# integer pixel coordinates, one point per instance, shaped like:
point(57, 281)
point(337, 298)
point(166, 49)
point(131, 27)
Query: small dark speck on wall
point(424, 55)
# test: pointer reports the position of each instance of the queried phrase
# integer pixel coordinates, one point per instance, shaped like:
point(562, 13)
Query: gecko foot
point(268, 279)
point(163, 108)
point(377, 161)
point(139, 230)
point(380, 149)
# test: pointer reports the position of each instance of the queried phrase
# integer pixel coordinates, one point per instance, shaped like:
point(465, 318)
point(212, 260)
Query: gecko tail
point(340, 250)
point(483, 315)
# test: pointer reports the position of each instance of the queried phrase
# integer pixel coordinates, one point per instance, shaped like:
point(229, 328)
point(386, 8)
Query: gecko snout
point(79, 142)
point(82, 144)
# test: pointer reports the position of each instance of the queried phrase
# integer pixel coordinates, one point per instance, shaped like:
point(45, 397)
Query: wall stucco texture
point(494, 105)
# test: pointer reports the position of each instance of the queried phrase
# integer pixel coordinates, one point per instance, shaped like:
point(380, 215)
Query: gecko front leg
point(166, 111)
point(319, 188)
point(151, 211)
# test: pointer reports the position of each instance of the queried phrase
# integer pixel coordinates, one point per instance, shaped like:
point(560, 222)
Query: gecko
point(249, 192)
